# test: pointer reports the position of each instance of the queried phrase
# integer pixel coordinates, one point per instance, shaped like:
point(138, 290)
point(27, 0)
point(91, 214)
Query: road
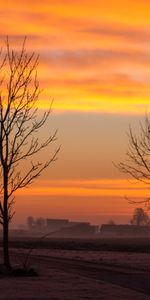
point(134, 279)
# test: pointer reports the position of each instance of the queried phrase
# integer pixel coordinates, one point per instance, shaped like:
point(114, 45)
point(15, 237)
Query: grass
point(140, 245)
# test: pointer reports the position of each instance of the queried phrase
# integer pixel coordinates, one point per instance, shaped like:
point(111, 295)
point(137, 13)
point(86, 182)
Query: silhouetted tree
point(111, 222)
point(40, 223)
point(30, 222)
point(20, 123)
point(140, 217)
point(137, 163)
point(36, 223)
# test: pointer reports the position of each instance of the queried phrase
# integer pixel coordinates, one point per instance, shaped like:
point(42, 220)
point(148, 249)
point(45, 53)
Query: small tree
point(137, 163)
point(40, 223)
point(111, 222)
point(19, 126)
point(140, 217)
point(30, 222)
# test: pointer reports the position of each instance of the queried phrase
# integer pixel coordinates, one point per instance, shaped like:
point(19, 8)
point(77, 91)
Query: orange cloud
point(88, 188)
point(93, 57)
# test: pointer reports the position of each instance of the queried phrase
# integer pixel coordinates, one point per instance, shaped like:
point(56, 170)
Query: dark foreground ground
point(138, 245)
point(74, 269)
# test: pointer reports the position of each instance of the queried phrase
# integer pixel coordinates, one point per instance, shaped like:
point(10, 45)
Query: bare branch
point(20, 124)
point(137, 163)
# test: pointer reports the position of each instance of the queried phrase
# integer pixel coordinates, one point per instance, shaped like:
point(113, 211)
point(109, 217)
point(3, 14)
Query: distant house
point(66, 228)
point(108, 230)
point(78, 230)
point(56, 224)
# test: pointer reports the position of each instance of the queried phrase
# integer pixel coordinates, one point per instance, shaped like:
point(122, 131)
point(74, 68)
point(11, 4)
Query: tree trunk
point(6, 244)
point(6, 222)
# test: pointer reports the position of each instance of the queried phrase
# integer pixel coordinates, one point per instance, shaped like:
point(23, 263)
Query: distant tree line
point(36, 223)
point(140, 217)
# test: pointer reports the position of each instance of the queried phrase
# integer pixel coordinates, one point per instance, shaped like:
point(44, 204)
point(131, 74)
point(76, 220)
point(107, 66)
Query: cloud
point(91, 57)
point(87, 188)
point(118, 84)
point(132, 34)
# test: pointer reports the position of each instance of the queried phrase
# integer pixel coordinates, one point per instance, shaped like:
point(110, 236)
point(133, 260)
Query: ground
point(55, 283)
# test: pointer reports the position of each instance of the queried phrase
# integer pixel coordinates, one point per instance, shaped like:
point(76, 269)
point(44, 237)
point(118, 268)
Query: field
point(141, 245)
point(77, 269)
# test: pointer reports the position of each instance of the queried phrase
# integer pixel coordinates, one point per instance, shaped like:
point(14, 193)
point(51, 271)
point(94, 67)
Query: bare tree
point(111, 222)
point(30, 222)
point(36, 223)
point(20, 123)
point(40, 223)
point(137, 163)
point(140, 217)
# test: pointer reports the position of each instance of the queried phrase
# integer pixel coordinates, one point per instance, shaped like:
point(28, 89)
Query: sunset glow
point(95, 64)
point(85, 188)
point(92, 58)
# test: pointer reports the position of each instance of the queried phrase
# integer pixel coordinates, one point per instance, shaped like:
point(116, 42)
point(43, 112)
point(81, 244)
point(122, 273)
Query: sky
point(95, 65)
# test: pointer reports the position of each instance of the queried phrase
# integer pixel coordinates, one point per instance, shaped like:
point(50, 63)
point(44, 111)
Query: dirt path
point(71, 279)
point(134, 279)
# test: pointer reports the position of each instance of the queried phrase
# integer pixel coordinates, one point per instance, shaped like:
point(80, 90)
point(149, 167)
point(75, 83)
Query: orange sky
point(93, 57)
point(95, 64)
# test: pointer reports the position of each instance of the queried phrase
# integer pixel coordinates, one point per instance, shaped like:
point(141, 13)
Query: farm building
point(109, 230)
point(64, 227)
